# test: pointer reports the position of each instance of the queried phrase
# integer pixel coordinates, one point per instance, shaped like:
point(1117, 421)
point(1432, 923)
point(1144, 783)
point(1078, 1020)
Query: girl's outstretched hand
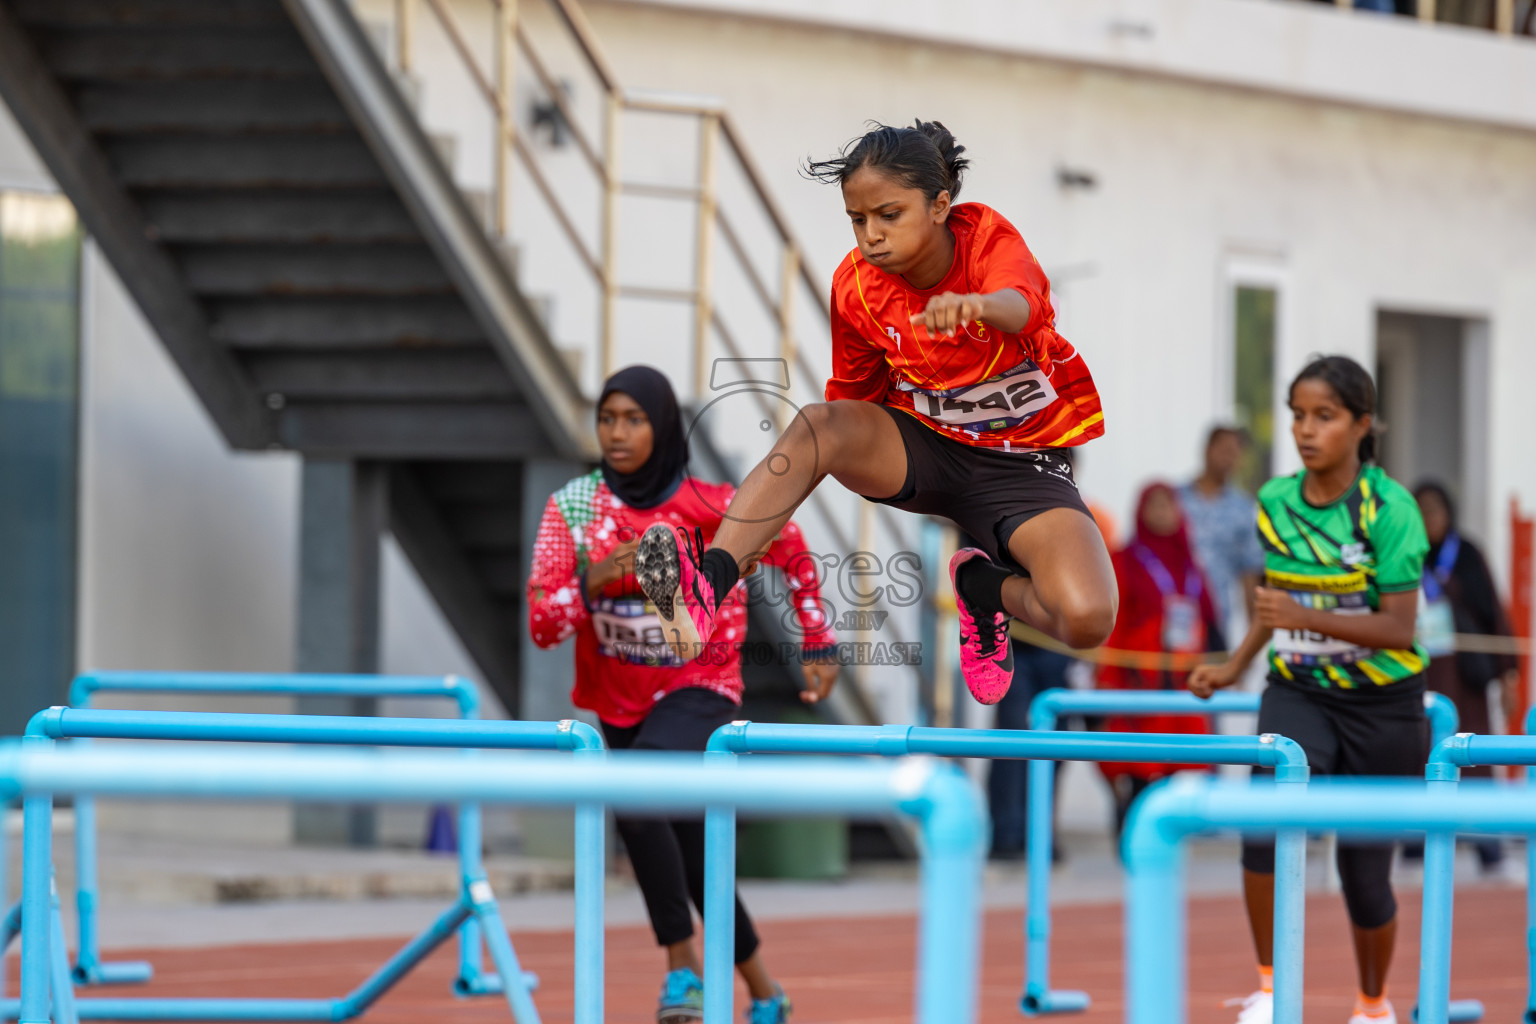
point(947, 312)
point(1207, 679)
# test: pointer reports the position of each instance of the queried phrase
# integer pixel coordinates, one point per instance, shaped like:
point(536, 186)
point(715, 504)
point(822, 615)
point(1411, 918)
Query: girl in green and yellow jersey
point(1344, 551)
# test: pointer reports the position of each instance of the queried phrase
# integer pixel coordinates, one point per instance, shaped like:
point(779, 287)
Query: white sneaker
point(1390, 1018)
point(1258, 1008)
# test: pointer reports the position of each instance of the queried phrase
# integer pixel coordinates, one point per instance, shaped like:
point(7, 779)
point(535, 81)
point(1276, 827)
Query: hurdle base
point(198, 1009)
point(1467, 1011)
point(489, 984)
point(1061, 1000)
point(122, 972)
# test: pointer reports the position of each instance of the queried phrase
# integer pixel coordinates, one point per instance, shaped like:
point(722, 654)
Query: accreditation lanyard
point(1181, 610)
point(1435, 628)
point(1439, 574)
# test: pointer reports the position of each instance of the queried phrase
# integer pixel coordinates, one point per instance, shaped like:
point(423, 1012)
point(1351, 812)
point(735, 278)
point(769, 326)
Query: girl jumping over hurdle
point(581, 584)
point(950, 395)
point(1344, 549)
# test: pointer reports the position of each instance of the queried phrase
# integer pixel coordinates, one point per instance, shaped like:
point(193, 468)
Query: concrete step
point(394, 270)
point(246, 161)
point(446, 147)
point(235, 105)
point(282, 322)
point(479, 201)
point(575, 358)
point(135, 51)
point(286, 215)
point(107, 13)
point(410, 430)
point(441, 375)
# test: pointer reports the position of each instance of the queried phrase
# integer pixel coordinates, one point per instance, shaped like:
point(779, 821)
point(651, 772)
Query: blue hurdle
point(1450, 756)
point(1164, 819)
point(947, 806)
point(896, 740)
point(476, 901)
point(1045, 713)
point(89, 968)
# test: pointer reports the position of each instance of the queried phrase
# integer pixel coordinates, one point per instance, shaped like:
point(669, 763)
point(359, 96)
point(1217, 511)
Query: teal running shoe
point(773, 1010)
point(682, 998)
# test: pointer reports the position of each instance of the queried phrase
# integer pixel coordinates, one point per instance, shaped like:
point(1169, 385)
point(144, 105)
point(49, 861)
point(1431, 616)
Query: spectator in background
point(1035, 669)
point(1166, 607)
point(1221, 518)
point(1460, 597)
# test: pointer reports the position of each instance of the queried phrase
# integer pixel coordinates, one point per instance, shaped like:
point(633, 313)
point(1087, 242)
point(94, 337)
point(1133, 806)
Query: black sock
point(722, 572)
point(980, 582)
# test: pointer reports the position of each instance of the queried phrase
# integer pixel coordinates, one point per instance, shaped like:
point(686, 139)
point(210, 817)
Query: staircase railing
point(557, 116)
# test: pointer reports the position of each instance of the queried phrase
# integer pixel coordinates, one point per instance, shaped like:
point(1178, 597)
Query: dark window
point(1253, 387)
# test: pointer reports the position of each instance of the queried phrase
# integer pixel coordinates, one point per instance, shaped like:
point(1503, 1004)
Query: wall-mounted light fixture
point(1075, 177)
point(548, 116)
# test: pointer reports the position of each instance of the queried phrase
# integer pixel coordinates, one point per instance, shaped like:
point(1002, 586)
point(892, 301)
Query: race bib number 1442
point(1000, 403)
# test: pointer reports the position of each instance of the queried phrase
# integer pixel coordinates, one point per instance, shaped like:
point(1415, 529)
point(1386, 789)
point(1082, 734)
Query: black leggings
point(668, 854)
point(1366, 735)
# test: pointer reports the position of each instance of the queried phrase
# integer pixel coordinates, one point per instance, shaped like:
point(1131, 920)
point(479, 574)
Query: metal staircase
point(261, 179)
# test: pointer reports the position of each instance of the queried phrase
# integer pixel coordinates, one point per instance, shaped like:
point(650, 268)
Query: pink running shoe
point(986, 657)
point(668, 569)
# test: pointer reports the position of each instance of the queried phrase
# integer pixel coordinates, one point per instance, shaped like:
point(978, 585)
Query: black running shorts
point(1382, 734)
point(987, 492)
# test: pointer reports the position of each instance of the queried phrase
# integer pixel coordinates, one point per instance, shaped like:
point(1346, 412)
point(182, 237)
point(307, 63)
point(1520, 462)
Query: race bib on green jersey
point(1340, 558)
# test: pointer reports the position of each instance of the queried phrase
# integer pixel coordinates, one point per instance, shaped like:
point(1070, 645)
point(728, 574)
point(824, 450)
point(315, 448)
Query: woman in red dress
point(1165, 608)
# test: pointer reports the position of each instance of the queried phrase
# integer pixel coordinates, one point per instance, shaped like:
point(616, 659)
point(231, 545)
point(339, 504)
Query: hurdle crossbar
point(1164, 819)
point(897, 740)
point(947, 806)
point(1443, 772)
point(90, 968)
point(476, 902)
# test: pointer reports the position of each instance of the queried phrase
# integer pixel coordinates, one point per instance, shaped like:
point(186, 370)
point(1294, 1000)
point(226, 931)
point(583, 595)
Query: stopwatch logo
point(751, 399)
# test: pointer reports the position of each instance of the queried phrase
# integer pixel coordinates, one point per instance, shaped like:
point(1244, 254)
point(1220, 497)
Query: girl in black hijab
point(660, 475)
point(582, 583)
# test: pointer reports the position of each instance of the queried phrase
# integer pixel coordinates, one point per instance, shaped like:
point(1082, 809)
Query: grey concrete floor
point(159, 896)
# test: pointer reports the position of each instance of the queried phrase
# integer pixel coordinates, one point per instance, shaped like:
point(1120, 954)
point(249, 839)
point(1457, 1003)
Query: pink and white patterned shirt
point(622, 667)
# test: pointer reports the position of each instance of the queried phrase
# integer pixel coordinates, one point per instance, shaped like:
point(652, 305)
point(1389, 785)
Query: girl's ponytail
point(949, 152)
point(925, 157)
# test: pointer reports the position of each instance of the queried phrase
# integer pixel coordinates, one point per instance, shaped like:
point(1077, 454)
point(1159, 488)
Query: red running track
point(858, 970)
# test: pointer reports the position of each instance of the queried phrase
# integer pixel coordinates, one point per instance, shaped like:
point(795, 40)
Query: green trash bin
point(799, 848)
